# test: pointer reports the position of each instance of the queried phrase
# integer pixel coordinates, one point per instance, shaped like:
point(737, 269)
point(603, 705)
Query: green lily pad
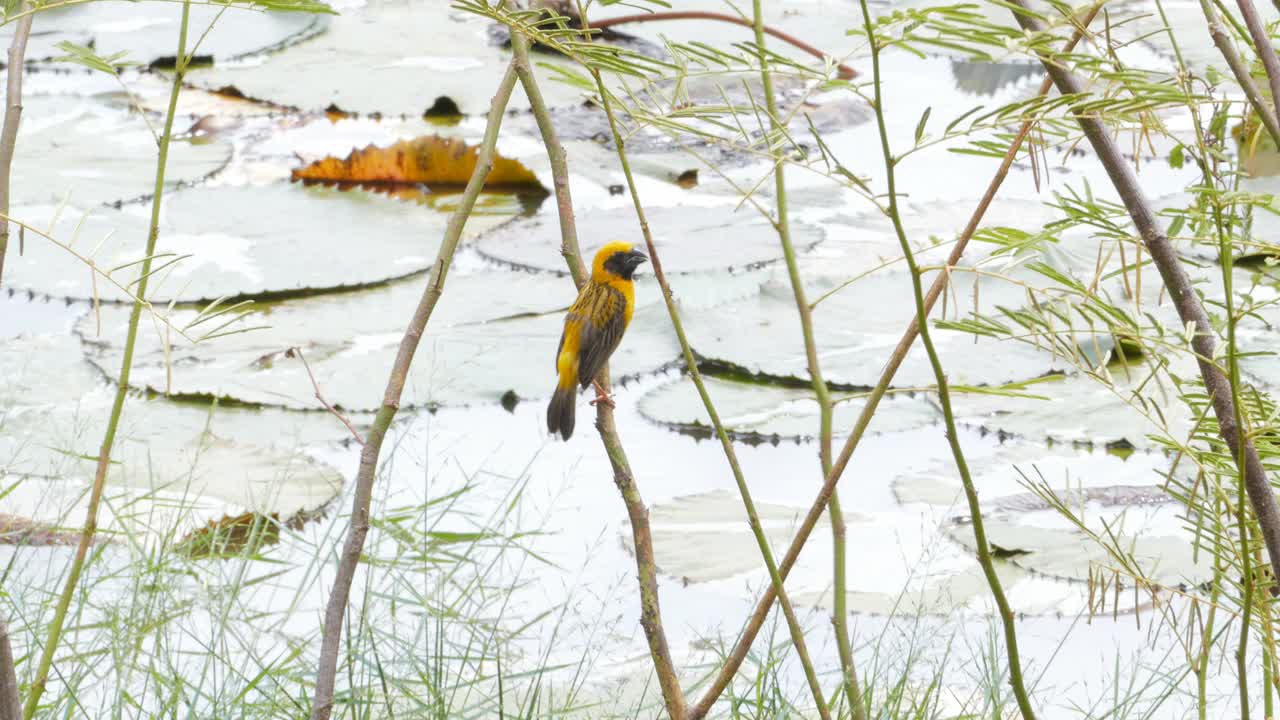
point(1080, 410)
point(868, 240)
point(934, 596)
point(856, 329)
point(392, 58)
point(274, 240)
point(988, 78)
point(193, 459)
point(148, 31)
point(1149, 530)
point(23, 314)
point(61, 156)
point(754, 411)
point(1000, 475)
point(488, 330)
point(689, 239)
point(705, 537)
point(44, 370)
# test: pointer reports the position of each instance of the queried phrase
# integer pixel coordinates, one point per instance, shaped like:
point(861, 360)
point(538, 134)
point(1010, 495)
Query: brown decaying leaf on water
point(16, 530)
point(430, 160)
point(233, 534)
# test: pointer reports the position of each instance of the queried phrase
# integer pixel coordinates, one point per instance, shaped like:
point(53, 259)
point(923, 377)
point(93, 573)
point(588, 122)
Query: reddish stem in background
point(846, 72)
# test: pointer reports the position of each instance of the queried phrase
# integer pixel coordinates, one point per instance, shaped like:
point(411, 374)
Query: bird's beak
point(637, 258)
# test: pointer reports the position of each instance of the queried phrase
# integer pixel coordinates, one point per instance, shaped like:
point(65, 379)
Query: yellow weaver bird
point(592, 330)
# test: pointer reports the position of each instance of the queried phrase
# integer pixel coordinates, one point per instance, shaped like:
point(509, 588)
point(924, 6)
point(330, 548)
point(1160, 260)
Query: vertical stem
point(1206, 633)
point(624, 480)
point(10, 701)
point(1268, 659)
point(944, 395)
point(122, 386)
point(12, 120)
point(1226, 259)
point(335, 611)
point(756, 622)
point(820, 390)
point(1270, 682)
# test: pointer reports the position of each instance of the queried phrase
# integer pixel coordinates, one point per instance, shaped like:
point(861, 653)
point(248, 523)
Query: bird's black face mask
point(624, 264)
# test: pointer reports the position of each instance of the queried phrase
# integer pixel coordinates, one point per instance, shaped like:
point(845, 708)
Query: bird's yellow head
point(616, 261)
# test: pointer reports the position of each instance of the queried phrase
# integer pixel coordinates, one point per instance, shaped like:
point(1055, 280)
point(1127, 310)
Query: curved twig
point(846, 72)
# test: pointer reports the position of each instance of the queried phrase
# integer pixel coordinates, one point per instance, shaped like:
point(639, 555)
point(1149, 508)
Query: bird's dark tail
point(560, 411)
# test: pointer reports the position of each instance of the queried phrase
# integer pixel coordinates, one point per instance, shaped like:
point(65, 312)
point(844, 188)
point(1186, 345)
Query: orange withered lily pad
point(249, 531)
point(430, 160)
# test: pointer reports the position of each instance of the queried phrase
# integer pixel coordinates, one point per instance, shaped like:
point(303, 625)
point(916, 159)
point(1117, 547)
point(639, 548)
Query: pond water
point(335, 273)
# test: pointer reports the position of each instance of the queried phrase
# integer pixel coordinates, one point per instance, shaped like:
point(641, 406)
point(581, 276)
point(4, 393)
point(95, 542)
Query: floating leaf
point(389, 58)
point(1082, 410)
point(868, 240)
point(186, 461)
point(1002, 471)
point(1146, 523)
point(61, 156)
point(17, 530)
point(856, 329)
point(755, 412)
point(148, 31)
point(1027, 535)
point(705, 537)
point(271, 241)
point(491, 333)
point(433, 160)
point(233, 535)
point(689, 239)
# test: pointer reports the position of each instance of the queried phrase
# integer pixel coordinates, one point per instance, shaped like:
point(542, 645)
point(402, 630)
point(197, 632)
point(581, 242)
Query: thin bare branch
point(743, 646)
point(1227, 49)
point(10, 700)
point(12, 119)
point(846, 72)
point(638, 514)
point(320, 396)
point(1262, 43)
point(335, 611)
point(782, 224)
